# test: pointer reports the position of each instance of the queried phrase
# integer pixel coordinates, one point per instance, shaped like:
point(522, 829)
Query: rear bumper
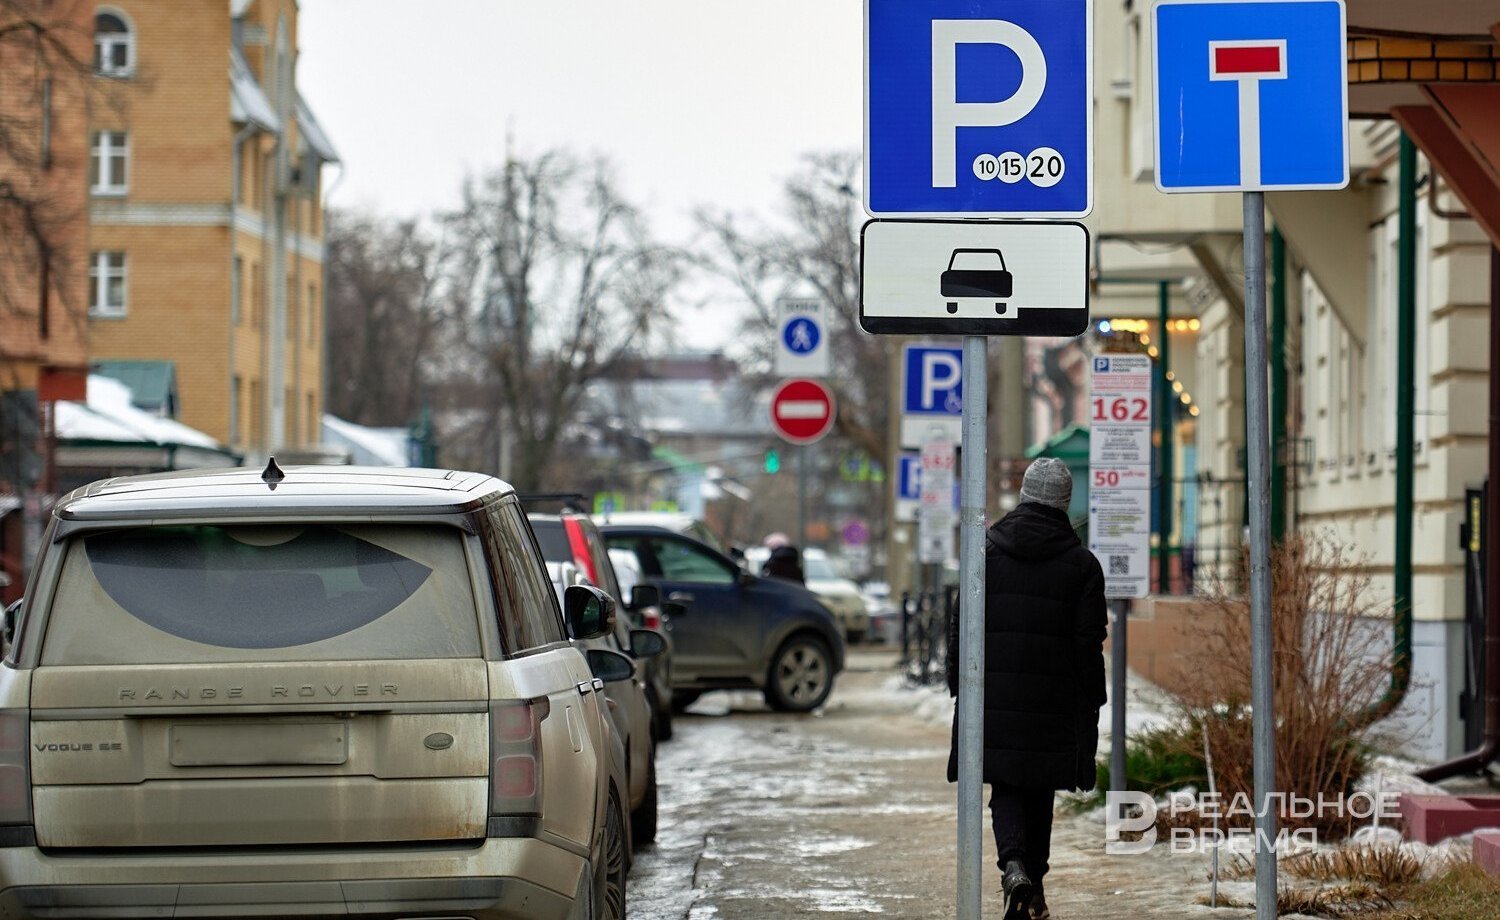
point(500, 878)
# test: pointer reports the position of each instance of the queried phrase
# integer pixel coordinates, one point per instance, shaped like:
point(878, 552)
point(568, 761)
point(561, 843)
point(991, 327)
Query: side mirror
point(672, 609)
point(610, 666)
point(590, 613)
point(12, 617)
point(642, 596)
point(647, 643)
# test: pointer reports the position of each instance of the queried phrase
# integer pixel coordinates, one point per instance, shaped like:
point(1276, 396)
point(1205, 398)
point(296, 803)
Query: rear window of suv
point(233, 593)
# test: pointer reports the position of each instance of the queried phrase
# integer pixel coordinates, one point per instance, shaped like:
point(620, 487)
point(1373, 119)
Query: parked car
point(572, 536)
point(629, 709)
point(329, 690)
point(735, 630)
point(840, 595)
point(685, 524)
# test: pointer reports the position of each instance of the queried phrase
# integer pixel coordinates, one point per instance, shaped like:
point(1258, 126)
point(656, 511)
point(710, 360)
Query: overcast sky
point(697, 101)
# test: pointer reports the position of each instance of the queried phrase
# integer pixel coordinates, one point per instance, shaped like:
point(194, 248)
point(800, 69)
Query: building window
point(236, 289)
point(313, 309)
point(107, 284)
point(255, 294)
point(114, 45)
point(257, 413)
point(312, 419)
point(293, 321)
point(235, 396)
point(108, 161)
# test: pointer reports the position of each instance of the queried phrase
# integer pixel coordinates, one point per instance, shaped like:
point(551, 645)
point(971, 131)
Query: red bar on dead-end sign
point(1247, 59)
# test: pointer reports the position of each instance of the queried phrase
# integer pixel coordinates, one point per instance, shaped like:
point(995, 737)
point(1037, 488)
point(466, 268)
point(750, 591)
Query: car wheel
point(643, 819)
point(616, 862)
point(801, 675)
point(682, 699)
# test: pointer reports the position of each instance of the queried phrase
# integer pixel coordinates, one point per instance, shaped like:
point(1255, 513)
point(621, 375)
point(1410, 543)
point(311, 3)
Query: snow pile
point(109, 416)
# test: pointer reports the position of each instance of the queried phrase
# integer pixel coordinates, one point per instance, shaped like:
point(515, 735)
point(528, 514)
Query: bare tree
point(42, 69)
point(386, 317)
point(816, 249)
point(555, 279)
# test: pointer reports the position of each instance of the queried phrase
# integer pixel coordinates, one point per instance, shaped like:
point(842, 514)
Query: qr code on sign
point(1119, 565)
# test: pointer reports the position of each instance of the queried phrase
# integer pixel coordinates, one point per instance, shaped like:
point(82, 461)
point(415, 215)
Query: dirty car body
point(350, 691)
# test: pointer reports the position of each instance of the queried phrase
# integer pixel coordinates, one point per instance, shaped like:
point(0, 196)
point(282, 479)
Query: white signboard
point(935, 517)
point(969, 277)
point(801, 339)
point(1120, 472)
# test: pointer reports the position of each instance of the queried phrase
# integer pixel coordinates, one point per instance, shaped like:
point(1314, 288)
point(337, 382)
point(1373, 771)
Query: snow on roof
point(313, 133)
point(247, 101)
point(369, 446)
point(109, 416)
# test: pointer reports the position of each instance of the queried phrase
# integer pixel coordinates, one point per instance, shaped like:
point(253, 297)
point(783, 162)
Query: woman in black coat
point(1044, 631)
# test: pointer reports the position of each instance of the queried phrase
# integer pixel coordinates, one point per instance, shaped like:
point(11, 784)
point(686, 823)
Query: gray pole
point(1117, 667)
point(1258, 434)
point(971, 631)
point(802, 498)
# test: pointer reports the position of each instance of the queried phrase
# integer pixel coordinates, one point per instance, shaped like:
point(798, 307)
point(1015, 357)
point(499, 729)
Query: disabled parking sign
point(979, 107)
point(1251, 95)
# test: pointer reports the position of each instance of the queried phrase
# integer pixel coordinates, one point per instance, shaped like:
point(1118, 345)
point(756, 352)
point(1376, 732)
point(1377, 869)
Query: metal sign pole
point(1117, 665)
point(971, 631)
point(1258, 432)
point(802, 498)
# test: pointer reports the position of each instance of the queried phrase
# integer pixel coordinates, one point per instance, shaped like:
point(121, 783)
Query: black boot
point(1016, 886)
point(1038, 906)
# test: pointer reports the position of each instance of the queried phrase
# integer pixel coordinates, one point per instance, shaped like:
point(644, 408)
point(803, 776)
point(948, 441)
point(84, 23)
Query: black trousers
point(1023, 827)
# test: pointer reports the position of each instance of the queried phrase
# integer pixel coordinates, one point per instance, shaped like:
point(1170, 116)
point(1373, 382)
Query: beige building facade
point(206, 218)
point(1341, 290)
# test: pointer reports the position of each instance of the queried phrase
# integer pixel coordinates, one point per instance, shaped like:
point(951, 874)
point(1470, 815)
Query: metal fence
point(924, 635)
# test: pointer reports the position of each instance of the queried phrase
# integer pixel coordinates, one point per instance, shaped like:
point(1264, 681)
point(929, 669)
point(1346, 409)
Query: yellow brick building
point(206, 237)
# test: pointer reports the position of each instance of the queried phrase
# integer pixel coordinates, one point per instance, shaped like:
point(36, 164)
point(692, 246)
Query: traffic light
point(773, 461)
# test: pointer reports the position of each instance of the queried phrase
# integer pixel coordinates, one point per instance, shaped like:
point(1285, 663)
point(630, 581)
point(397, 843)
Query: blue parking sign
point(979, 107)
point(1251, 95)
point(933, 377)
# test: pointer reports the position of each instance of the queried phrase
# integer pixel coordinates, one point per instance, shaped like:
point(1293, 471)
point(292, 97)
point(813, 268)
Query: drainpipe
point(1165, 401)
point(1278, 386)
point(235, 188)
point(1476, 761)
point(1406, 327)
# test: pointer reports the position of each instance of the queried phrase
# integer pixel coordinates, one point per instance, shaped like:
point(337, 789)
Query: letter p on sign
point(948, 114)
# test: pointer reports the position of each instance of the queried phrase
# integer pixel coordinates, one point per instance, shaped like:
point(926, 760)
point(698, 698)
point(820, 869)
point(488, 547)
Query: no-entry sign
point(802, 411)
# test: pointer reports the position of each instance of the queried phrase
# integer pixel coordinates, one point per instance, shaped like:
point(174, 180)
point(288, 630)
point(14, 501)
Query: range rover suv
point(323, 691)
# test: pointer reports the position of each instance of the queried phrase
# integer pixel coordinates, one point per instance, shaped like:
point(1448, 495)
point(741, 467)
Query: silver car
point(324, 691)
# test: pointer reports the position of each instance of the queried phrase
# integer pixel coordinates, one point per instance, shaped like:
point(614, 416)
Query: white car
point(837, 593)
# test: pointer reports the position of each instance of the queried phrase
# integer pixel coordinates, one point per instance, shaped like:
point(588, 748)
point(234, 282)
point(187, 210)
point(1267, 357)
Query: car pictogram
point(985, 283)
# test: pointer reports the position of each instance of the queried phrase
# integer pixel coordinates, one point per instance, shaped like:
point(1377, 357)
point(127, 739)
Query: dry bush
point(1329, 666)
point(1382, 866)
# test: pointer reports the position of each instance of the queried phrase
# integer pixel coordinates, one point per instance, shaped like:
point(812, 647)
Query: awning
point(108, 425)
point(153, 384)
point(247, 101)
point(313, 134)
point(1460, 135)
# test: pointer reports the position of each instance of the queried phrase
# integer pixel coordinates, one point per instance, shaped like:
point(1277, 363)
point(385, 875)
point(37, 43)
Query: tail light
point(516, 756)
point(15, 767)
point(578, 542)
point(651, 618)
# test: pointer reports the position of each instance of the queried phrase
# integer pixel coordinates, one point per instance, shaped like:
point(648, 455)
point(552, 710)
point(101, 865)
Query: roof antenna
point(272, 474)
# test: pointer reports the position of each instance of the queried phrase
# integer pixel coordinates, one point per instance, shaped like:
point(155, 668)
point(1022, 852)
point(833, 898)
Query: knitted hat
point(1049, 482)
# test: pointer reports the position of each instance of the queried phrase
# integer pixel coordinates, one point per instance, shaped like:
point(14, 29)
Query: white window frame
point(103, 151)
point(106, 41)
point(100, 274)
